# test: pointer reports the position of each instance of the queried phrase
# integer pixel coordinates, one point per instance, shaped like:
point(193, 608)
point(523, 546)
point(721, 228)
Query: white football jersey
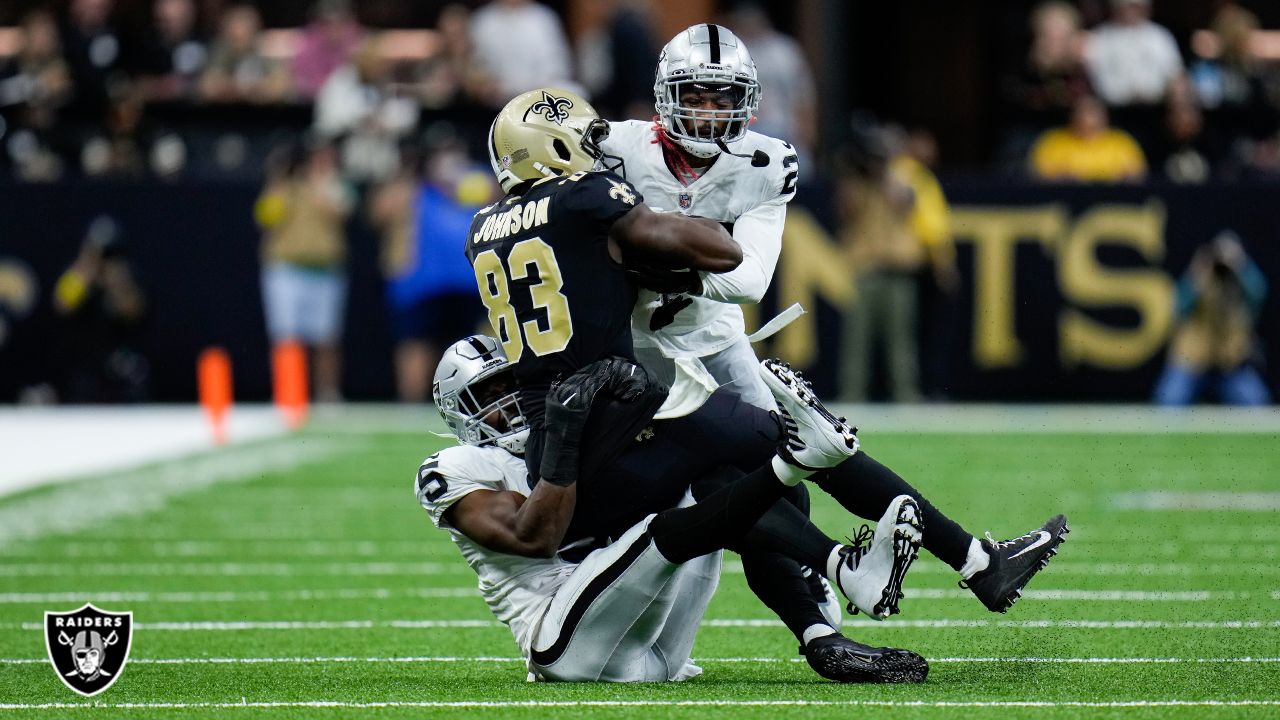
point(517, 589)
point(732, 190)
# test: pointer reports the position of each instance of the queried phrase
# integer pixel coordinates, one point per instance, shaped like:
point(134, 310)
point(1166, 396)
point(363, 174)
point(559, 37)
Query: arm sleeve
point(759, 232)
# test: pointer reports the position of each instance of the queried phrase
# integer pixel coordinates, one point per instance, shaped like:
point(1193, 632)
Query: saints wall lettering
point(1085, 282)
point(1042, 264)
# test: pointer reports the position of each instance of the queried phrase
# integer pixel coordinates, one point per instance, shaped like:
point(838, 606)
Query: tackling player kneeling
point(630, 611)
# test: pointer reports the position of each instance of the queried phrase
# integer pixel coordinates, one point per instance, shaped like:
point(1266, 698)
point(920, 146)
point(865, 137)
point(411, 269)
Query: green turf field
point(298, 578)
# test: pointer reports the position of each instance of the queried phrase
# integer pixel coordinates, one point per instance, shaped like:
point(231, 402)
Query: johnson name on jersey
point(556, 299)
point(733, 191)
point(517, 589)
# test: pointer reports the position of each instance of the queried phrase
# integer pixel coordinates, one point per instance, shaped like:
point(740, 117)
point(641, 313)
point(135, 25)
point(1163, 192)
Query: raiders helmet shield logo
point(88, 647)
point(555, 109)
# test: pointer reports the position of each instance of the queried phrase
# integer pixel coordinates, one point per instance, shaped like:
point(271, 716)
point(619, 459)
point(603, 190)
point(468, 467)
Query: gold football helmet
point(545, 133)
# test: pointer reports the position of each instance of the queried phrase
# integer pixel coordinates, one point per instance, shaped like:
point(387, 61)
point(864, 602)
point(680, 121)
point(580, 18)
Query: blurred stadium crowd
point(373, 113)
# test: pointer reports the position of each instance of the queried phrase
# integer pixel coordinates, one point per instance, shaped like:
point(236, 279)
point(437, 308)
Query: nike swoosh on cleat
point(1044, 538)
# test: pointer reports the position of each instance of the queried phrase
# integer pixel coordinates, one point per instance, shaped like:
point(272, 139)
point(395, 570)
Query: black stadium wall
point(1066, 292)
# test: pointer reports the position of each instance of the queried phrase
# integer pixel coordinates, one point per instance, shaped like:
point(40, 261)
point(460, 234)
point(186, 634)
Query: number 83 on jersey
point(496, 281)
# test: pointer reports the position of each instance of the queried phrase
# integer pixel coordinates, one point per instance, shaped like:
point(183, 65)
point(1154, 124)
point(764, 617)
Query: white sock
point(977, 561)
point(790, 475)
point(833, 561)
point(815, 631)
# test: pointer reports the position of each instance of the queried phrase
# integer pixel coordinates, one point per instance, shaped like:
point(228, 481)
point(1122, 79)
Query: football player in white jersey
point(628, 611)
point(700, 158)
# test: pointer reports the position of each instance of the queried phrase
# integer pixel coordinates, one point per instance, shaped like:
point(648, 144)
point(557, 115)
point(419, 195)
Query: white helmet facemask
point(710, 63)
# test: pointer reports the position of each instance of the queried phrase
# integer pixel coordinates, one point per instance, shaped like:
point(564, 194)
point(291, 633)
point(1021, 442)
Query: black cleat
point(836, 657)
point(1014, 562)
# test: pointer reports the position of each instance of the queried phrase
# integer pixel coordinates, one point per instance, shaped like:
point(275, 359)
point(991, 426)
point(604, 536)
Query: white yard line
point(274, 548)
point(470, 591)
point(229, 569)
point(238, 625)
point(258, 547)
point(1141, 703)
point(925, 567)
point(761, 660)
point(1164, 500)
point(231, 596)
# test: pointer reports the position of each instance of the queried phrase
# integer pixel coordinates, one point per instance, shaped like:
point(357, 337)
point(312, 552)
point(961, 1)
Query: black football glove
point(569, 403)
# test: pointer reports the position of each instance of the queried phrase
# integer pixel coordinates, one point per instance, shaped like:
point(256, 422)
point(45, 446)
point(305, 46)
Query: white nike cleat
point(815, 439)
point(870, 572)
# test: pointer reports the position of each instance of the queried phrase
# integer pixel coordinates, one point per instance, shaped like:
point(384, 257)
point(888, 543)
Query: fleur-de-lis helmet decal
point(554, 109)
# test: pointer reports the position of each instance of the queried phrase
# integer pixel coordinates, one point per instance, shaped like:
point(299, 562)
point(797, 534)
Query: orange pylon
point(289, 382)
point(213, 378)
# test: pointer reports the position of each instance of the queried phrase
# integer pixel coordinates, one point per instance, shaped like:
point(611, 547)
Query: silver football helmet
point(706, 58)
point(475, 392)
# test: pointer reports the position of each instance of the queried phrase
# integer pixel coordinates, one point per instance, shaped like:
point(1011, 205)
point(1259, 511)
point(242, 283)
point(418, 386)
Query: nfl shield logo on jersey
point(685, 199)
point(88, 647)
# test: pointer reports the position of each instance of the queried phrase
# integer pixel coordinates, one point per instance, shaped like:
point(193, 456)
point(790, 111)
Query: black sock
point(865, 488)
point(718, 520)
point(777, 580)
point(786, 530)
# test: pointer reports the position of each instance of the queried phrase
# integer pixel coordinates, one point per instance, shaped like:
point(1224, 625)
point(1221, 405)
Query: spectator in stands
point(303, 211)
point(1233, 86)
point(931, 222)
point(615, 54)
point(1054, 75)
point(431, 288)
point(1215, 344)
point(116, 146)
point(237, 71)
point(34, 86)
point(1088, 150)
point(173, 54)
point(930, 215)
point(103, 310)
point(518, 45)
point(326, 43)
point(360, 103)
point(93, 51)
point(449, 73)
point(1188, 153)
point(1131, 59)
point(788, 105)
point(876, 209)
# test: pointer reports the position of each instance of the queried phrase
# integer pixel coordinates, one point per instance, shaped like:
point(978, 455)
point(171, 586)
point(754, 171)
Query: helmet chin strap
point(759, 158)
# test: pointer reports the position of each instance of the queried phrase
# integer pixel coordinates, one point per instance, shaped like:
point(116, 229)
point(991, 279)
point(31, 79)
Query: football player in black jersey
point(552, 262)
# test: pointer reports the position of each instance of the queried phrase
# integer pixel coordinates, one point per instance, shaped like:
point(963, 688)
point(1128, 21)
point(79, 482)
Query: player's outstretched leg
point(871, 570)
point(1011, 563)
point(996, 571)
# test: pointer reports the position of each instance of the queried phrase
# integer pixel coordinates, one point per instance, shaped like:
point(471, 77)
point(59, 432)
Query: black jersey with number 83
point(557, 301)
